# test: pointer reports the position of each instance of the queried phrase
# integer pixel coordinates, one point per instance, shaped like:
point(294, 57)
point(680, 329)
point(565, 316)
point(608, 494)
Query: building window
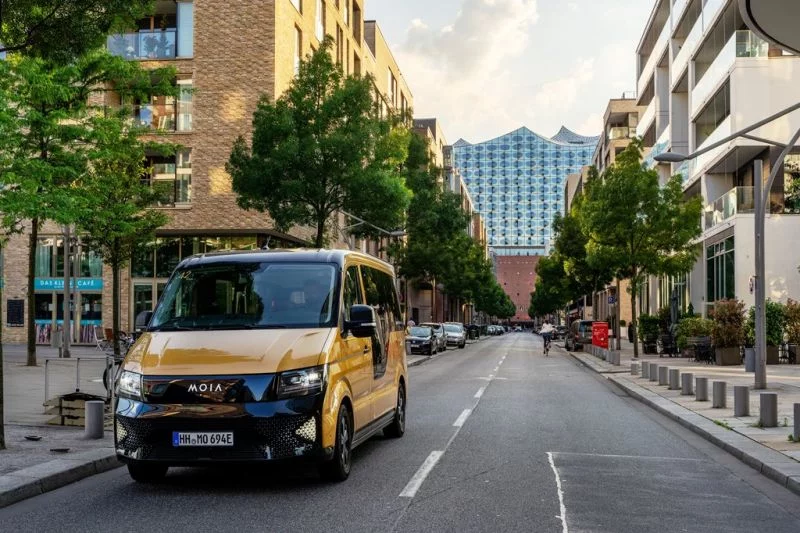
point(346, 12)
point(167, 34)
point(298, 49)
point(171, 178)
point(721, 271)
point(320, 20)
point(298, 5)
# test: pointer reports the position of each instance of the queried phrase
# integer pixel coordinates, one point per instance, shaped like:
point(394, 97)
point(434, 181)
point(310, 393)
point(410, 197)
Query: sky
point(487, 67)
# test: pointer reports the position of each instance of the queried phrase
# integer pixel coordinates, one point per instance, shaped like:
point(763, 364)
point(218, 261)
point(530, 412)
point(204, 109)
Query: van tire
point(397, 428)
point(147, 473)
point(337, 469)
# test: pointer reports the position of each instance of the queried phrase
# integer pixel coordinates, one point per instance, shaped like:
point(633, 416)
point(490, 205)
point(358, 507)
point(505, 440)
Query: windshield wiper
point(170, 328)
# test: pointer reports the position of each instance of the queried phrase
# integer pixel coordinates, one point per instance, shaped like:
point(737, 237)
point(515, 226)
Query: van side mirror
point(143, 319)
point(362, 321)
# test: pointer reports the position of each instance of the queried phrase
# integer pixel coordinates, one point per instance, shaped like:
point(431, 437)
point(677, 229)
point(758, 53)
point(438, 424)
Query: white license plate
point(224, 438)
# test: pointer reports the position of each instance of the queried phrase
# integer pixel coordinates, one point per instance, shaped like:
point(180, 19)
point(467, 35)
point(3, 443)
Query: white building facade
point(702, 75)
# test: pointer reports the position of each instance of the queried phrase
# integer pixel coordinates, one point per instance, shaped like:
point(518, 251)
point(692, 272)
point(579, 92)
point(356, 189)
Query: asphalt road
point(499, 438)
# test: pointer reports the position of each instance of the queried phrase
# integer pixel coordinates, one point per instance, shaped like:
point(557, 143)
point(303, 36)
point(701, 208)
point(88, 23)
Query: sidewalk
point(62, 455)
point(768, 450)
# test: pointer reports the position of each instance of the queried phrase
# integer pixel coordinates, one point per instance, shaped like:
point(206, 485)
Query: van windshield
point(249, 295)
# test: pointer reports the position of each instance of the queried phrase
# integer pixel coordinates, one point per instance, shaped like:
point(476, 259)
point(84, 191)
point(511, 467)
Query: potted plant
point(792, 327)
point(692, 332)
point(648, 333)
point(776, 318)
point(728, 331)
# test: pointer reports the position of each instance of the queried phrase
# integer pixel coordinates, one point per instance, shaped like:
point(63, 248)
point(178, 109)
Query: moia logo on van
point(205, 387)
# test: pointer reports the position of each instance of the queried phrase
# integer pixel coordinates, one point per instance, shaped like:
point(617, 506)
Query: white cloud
point(561, 94)
point(593, 125)
point(460, 70)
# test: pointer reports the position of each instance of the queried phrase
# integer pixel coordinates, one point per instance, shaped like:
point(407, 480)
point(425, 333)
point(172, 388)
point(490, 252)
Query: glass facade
point(721, 271)
point(517, 182)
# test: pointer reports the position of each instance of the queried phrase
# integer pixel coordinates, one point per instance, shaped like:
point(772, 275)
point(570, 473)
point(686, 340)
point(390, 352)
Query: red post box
point(600, 334)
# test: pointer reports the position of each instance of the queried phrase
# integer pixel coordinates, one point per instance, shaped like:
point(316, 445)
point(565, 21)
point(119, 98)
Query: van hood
point(202, 353)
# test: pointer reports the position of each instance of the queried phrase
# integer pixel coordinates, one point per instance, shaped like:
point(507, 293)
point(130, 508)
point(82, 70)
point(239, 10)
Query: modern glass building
point(517, 182)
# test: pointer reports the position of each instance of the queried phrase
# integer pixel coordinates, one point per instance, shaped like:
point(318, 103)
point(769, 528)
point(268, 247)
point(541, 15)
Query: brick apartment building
point(227, 54)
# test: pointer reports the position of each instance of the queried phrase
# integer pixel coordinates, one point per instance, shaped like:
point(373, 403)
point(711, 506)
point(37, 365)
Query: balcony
point(737, 200)
point(646, 120)
point(743, 44)
point(170, 116)
point(157, 44)
point(677, 10)
point(621, 132)
point(708, 16)
point(699, 164)
point(655, 56)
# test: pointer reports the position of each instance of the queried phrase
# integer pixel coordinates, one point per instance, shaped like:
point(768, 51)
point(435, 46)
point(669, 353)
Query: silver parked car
point(438, 332)
point(456, 334)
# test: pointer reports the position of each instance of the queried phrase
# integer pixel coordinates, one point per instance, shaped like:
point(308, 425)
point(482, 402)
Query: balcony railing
point(621, 132)
point(735, 201)
point(699, 163)
point(696, 34)
point(164, 117)
point(646, 120)
point(145, 44)
point(655, 56)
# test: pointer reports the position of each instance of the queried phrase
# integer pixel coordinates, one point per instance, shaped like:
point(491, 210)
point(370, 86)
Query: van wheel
point(338, 468)
point(397, 428)
point(147, 473)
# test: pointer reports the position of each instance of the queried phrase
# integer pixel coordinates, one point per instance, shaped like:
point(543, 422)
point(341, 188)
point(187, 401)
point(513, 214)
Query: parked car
point(456, 334)
point(561, 332)
point(421, 340)
point(518, 328)
point(579, 334)
point(441, 336)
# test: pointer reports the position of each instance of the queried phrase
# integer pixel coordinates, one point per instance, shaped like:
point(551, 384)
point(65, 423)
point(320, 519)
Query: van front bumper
point(262, 431)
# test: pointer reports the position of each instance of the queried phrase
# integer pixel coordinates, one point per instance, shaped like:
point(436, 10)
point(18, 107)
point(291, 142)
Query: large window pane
point(190, 246)
point(185, 106)
point(44, 257)
point(142, 298)
point(142, 261)
point(167, 256)
point(91, 264)
point(185, 29)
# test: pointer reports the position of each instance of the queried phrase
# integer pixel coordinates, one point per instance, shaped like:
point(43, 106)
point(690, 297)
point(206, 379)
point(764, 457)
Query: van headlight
point(301, 382)
point(130, 385)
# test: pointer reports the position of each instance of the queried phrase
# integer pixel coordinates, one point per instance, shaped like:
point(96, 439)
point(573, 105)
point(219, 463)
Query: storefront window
point(190, 246)
point(142, 298)
point(167, 256)
point(721, 271)
point(91, 264)
point(142, 261)
point(44, 257)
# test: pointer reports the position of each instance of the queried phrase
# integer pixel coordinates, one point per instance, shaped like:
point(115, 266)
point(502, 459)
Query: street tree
point(60, 30)
point(634, 222)
point(322, 148)
point(46, 153)
point(551, 291)
point(117, 219)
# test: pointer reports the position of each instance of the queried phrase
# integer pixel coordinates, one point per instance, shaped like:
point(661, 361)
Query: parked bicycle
point(124, 342)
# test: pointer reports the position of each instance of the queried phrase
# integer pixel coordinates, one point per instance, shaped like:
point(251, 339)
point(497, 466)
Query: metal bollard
point(634, 369)
point(653, 371)
point(663, 375)
point(701, 389)
point(741, 400)
point(674, 379)
point(687, 382)
point(93, 428)
point(646, 370)
point(769, 409)
point(719, 396)
point(796, 433)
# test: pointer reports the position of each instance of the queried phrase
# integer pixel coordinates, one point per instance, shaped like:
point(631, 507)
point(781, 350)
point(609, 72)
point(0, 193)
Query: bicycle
point(112, 370)
point(547, 342)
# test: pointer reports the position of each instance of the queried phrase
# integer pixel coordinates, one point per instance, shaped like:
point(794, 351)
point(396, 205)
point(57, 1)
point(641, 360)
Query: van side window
point(381, 294)
point(352, 290)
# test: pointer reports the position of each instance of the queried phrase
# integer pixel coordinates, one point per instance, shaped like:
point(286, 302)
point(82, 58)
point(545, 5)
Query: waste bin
point(749, 359)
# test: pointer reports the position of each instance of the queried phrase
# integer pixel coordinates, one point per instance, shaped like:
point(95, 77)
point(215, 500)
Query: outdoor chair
point(101, 341)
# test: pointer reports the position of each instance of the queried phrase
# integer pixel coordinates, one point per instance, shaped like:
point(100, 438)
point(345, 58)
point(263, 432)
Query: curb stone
point(44, 477)
point(774, 465)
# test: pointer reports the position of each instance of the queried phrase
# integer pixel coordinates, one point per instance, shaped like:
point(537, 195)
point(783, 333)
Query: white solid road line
point(462, 418)
point(480, 392)
point(562, 508)
point(416, 482)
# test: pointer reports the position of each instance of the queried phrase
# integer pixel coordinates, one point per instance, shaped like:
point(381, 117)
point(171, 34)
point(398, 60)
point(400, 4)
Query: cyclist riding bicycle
point(547, 335)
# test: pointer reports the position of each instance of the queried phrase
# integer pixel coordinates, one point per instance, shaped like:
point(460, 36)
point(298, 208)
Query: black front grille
point(254, 438)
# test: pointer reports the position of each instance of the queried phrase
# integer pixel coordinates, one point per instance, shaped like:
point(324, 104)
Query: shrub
point(728, 330)
point(793, 321)
point(648, 327)
point(664, 319)
point(693, 327)
point(622, 323)
point(776, 321)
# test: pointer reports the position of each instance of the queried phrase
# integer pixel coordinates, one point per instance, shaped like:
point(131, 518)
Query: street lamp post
point(761, 200)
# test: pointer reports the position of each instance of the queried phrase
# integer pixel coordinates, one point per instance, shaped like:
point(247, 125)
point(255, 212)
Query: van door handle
point(366, 350)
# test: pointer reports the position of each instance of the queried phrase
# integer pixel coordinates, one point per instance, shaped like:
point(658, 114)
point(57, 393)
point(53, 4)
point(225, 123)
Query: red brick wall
point(517, 276)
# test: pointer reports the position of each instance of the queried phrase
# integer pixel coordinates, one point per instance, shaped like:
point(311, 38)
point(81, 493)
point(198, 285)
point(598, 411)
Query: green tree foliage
point(60, 30)
point(320, 149)
point(632, 221)
point(50, 138)
point(117, 220)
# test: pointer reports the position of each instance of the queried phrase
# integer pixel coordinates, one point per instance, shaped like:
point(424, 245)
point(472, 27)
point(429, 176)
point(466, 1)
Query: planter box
point(728, 356)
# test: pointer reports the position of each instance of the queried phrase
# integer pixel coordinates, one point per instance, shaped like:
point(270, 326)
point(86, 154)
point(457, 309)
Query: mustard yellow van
point(264, 356)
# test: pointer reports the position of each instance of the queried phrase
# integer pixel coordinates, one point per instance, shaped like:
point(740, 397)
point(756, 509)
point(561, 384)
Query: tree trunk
point(115, 302)
point(633, 317)
point(2, 416)
point(618, 313)
point(319, 241)
point(31, 297)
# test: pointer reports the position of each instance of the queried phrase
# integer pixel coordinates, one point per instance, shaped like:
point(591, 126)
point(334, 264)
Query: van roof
point(300, 255)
